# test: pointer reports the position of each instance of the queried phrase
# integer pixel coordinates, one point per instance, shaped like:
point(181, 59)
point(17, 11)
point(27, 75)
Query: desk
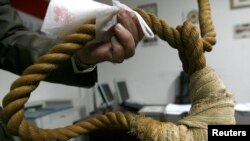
point(242, 117)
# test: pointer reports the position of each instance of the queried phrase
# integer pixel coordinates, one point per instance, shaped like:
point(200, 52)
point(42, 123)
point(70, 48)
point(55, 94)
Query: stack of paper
point(242, 107)
point(151, 109)
point(156, 112)
point(177, 109)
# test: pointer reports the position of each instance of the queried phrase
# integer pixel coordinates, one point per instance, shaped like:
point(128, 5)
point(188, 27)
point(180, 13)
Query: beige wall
point(152, 73)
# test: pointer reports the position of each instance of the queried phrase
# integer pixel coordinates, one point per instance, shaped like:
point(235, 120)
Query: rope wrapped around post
point(185, 38)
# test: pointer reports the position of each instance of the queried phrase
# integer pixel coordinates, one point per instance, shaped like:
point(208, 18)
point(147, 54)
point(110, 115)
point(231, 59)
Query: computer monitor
point(122, 91)
point(106, 94)
point(124, 97)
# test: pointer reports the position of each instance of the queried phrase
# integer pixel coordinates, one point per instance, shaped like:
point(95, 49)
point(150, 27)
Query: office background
point(152, 75)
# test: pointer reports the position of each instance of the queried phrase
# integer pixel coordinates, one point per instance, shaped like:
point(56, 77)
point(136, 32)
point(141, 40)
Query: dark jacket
point(19, 48)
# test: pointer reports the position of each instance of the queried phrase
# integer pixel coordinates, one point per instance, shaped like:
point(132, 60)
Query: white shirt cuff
point(85, 70)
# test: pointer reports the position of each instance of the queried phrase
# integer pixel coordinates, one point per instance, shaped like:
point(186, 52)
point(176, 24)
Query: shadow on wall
point(182, 89)
point(173, 90)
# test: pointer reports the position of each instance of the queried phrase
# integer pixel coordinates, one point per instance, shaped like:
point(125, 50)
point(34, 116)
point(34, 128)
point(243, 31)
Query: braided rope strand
point(206, 25)
point(13, 112)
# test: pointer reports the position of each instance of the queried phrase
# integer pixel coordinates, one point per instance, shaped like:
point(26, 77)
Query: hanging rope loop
point(186, 38)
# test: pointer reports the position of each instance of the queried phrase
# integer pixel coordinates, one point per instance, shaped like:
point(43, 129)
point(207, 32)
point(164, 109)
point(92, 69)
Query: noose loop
point(186, 38)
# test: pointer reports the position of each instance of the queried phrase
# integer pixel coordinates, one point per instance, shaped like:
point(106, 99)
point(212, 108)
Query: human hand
point(127, 34)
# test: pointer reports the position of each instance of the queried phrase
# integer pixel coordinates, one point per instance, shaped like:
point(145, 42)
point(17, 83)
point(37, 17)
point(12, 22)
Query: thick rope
point(185, 38)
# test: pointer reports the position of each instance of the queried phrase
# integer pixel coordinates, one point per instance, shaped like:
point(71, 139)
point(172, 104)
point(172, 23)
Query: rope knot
point(191, 49)
point(187, 39)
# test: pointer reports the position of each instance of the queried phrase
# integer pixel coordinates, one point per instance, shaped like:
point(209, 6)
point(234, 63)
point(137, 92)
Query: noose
point(191, 46)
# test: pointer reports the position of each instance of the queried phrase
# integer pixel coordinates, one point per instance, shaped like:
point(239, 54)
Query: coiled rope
point(186, 38)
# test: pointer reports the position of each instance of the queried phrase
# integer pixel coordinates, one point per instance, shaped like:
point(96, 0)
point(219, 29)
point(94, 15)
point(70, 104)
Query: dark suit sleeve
point(20, 48)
